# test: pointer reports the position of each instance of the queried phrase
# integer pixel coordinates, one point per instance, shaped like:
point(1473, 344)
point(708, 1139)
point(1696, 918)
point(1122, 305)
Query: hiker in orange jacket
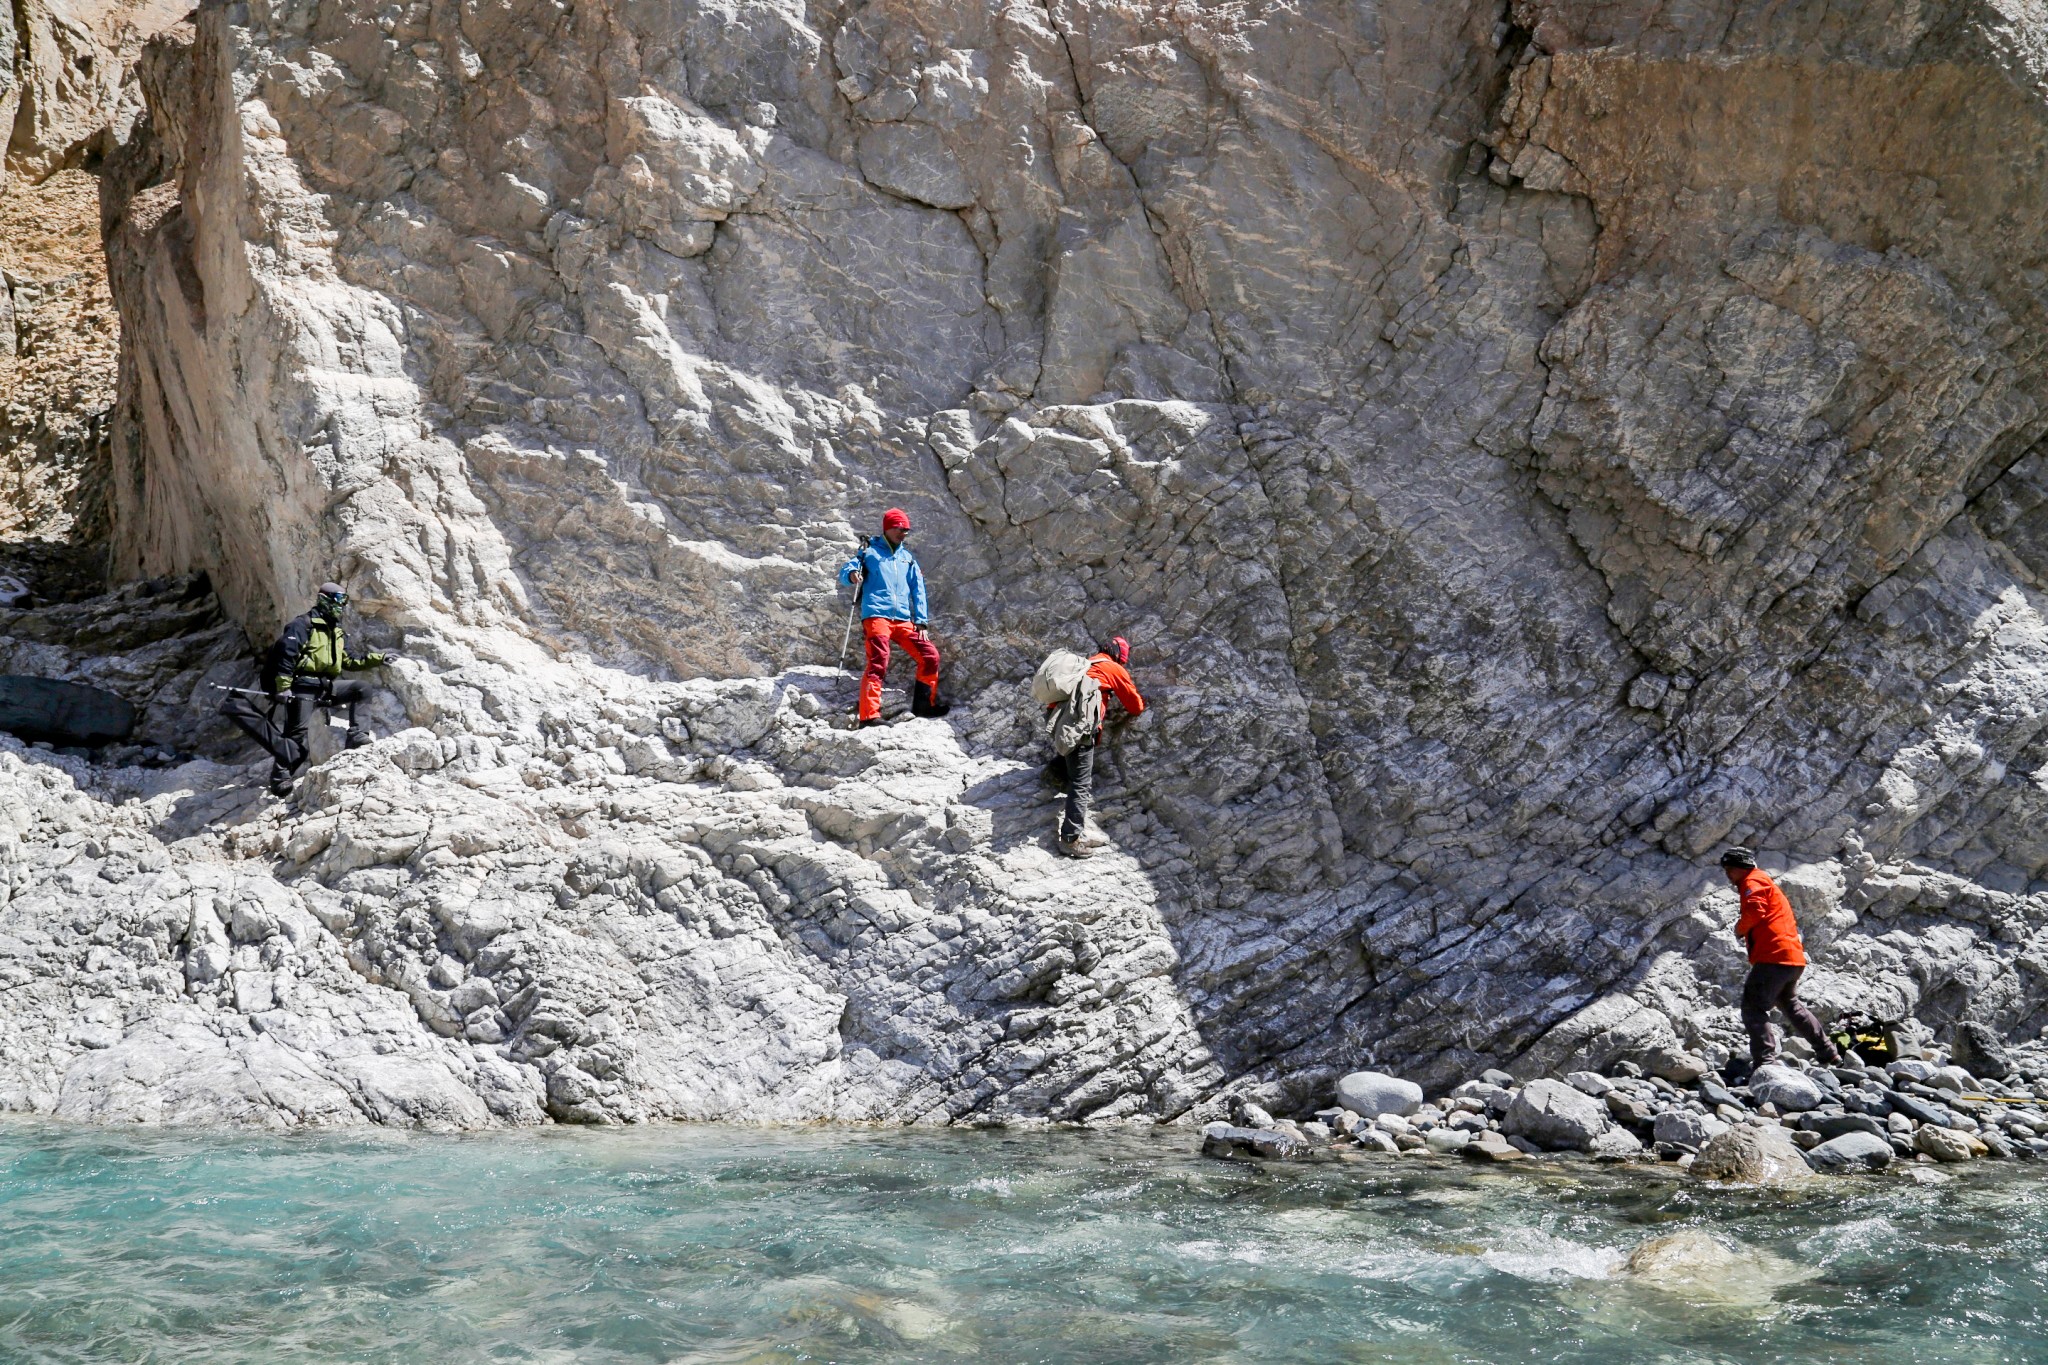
point(1110, 667)
point(1777, 957)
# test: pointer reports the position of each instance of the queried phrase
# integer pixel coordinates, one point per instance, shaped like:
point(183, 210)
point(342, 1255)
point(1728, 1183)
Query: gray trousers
point(1080, 766)
point(1771, 986)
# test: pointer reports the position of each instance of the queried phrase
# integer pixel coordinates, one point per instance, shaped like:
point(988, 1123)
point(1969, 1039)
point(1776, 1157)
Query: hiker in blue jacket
point(893, 608)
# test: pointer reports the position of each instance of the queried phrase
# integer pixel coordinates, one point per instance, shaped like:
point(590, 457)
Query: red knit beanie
point(895, 519)
point(1120, 649)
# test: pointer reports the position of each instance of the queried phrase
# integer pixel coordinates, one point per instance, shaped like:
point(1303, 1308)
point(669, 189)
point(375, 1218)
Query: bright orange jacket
point(1116, 680)
point(1767, 924)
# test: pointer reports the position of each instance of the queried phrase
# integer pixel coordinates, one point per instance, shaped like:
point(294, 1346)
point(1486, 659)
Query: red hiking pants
point(879, 631)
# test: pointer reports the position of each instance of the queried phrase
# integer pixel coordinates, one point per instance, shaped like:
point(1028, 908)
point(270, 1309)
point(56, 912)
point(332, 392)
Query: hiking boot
point(1073, 848)
point(865, 724)
point(926, 701)
point(1091, 836)
point(281, 785)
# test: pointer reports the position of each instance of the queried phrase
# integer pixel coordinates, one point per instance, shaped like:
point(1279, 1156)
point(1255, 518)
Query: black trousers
point(1080, 766)
point(281, 728)
point(1773, 985)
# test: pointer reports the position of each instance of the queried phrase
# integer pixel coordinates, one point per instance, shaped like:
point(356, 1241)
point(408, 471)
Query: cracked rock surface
point(1528, 445)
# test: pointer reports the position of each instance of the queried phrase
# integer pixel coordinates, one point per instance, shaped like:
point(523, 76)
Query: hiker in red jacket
point(1110, 667)
point(1768, 929)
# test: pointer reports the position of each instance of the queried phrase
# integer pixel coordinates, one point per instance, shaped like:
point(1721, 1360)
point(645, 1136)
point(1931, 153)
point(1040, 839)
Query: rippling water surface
point(739, 1244)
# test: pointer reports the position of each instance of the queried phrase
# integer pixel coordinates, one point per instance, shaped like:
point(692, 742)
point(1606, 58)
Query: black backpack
point(272, 662)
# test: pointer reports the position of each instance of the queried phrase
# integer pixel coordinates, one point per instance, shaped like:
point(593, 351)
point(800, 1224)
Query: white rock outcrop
point(1521, 462)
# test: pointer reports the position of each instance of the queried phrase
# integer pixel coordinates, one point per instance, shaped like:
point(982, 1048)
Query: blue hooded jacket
point(895, 585)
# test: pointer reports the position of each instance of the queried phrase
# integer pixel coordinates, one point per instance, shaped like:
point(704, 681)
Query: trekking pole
point(852, 608)
point(269, 699)
point(846, 640)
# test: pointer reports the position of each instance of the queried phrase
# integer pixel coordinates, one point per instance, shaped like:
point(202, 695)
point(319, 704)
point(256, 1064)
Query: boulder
point(1375, 1140)
point(1266, 1144)
point(1955, 1080)
point(1716, 1094)
point(1556, 1116)
point(1493, 1147)
point(1686, 1128)
point(1978, 1047)
point(1675, 1065)
point(1919, 1110)
point(1615, 1144)
point(1752, 1154)
point(1834, 1125)
point(1447, 1141)
point(1252, 1115)
point(1793, 1092)
point(1912, 1069)
point(1372, 1093)
point(62, 712)
point(1943, 1144)
point(1704, 1272)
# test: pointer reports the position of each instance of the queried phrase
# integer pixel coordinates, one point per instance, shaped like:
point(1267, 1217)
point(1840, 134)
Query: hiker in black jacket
point(301, 671)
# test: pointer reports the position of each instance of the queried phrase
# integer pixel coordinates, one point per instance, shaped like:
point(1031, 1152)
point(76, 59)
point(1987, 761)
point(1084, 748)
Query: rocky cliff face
point(1527, 445)
point(67, 96)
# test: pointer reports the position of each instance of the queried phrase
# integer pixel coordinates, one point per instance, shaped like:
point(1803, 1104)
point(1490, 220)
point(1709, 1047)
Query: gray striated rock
point(1614, 1144)
point(1556, 1116)
point(1676, 1066)
point(1687, 1128)
point(1793, 1092)
point(1835, 1125)
point(1447, 1141)
point(1266, 1144)
point(1490, 1146)
point(1851, 1151)
point(1369, 1093)
point(1752, 1154)
point(1943, 1144)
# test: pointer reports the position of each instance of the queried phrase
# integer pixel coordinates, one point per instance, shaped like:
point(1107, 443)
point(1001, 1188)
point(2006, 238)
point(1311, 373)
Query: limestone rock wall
point(67, 93)
point(1528, 445)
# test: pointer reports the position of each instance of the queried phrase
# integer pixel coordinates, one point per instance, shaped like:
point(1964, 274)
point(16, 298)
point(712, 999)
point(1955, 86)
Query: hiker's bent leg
point(924, 693)
point(875, 631)
point(924, 652)
point(1804, 1021)
point(347, 696)
point(1080, 791)
point(254, 721)
point(290, 754)
point(1758, 993)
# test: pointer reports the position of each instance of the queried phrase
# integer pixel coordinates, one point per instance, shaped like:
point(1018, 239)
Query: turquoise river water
point(731, 1244)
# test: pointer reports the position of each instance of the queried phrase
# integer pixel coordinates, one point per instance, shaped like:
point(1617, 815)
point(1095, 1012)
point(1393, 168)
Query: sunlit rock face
point(1527, 447)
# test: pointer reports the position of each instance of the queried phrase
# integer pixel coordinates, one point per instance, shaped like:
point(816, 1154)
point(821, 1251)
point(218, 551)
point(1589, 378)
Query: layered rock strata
point(1528, 446)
